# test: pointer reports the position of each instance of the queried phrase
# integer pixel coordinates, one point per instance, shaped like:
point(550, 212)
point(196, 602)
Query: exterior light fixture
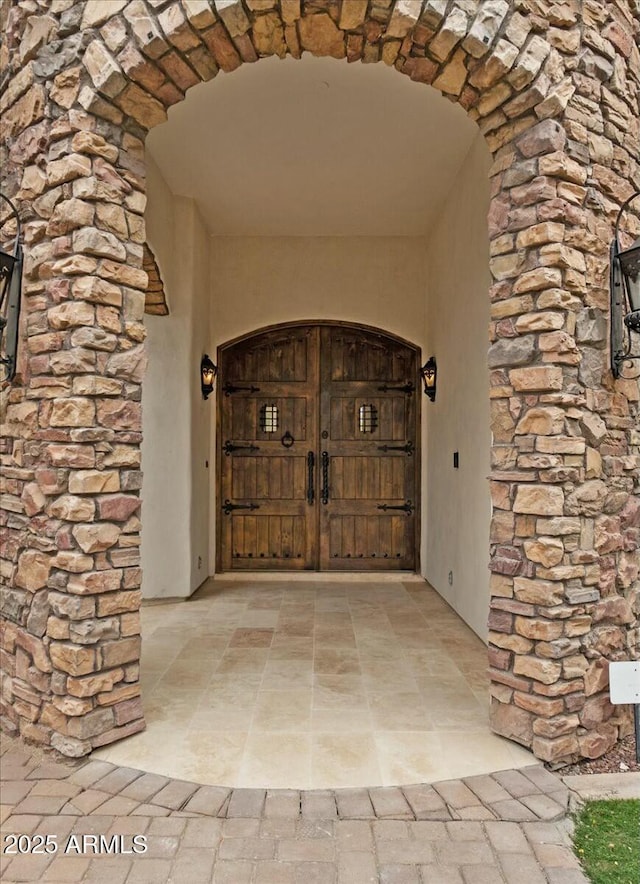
point(429, 372)
point(625, 296)
point(208, 372)
point(10, 290)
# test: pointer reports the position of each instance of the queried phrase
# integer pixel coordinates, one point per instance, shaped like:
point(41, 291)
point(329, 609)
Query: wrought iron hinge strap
point(404, 388)
point(231, 388)
point(229, 448)
point(405, 507)
point(230, 507)
point(408, 448)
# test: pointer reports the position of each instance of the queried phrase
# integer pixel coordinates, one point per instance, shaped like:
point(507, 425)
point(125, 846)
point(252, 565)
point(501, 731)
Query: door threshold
point(322, 576)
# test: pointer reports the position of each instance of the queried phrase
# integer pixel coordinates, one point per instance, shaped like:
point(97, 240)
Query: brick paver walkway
point(507, 827)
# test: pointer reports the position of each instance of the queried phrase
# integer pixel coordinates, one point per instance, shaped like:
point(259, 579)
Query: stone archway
point(554, 92)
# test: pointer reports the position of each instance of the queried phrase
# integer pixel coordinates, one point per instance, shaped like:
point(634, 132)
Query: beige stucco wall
point(176, 421)
point(457, 504)
point(258, 281)
point(202, 423)
point(431, 292)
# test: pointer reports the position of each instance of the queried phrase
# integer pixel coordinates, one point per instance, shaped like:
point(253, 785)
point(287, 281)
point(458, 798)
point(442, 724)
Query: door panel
point(245, 412)
point(268, 478)
point(292, 400)
point(260, 541)
point(370, 440)
point(268, 426)
point(369, 542)
point(367, 478)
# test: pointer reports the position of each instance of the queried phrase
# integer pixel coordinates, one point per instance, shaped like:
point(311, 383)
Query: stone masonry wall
point(554, 89)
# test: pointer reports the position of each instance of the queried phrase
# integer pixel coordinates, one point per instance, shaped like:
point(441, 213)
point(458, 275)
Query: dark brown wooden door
point(268, 429)
point(318, 451)
point(368, 441)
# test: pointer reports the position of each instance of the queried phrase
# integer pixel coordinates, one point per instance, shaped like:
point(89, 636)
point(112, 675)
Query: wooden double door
point(318, 451)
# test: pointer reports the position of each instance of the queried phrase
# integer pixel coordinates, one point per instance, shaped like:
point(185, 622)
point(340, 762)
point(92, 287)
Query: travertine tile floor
point(311, 685)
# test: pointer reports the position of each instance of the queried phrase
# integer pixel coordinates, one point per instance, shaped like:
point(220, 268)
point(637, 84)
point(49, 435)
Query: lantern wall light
point(208, 372)
point(625, 297)
point(10, 291)
point(429, 372)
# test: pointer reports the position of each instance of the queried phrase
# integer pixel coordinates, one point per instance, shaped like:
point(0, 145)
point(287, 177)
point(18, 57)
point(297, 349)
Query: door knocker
point(287, 440)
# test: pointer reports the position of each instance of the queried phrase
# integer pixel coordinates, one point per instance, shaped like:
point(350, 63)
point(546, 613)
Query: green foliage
point(607, 841)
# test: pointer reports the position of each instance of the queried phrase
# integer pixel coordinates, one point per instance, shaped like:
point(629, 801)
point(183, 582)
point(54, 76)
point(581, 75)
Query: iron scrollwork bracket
point(231, 388)
point(230, 507)
point(404, 388)
point(405, 507)
point(408, 448)
point(229, 448)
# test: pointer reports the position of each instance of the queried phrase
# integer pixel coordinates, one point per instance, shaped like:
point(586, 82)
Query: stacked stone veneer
point(554, 89)
point(155, 302)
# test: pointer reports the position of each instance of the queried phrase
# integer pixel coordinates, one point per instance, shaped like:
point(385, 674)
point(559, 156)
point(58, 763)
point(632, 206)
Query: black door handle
point(311, 462)
point(325, 477)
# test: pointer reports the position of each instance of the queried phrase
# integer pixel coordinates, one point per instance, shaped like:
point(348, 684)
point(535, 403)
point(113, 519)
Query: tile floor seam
point(345, 605)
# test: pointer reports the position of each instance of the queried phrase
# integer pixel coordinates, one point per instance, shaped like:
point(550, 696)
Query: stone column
point(565, 457)
point(71, 454)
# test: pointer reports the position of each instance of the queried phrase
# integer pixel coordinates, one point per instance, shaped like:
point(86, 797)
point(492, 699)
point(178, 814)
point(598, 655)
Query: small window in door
point(269, 418)
point(367, 418)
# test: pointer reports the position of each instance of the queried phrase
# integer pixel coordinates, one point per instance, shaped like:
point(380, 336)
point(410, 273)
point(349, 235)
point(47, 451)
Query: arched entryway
point(318, 451)
point(556, 99)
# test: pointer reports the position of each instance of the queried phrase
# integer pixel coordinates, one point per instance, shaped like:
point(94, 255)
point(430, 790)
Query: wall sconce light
point(208, 372)
point(10, 290)
point(625, 296)
point(429, 372)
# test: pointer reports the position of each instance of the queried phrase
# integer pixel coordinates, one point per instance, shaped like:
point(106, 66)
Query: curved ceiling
point(315, 147)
